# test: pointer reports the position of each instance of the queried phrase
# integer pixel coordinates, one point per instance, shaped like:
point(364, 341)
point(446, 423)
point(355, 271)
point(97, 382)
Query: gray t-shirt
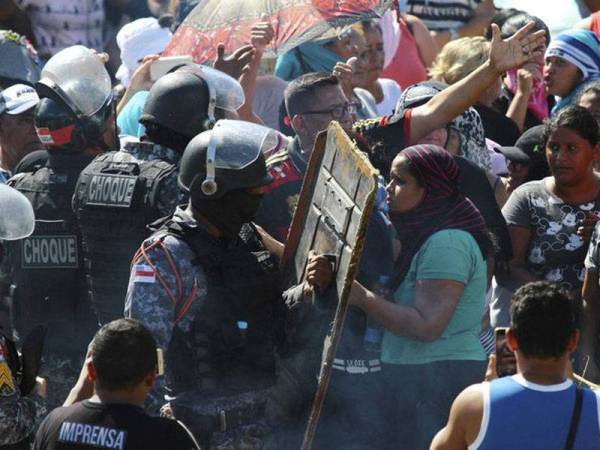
point(592, 259)
point(556, 253)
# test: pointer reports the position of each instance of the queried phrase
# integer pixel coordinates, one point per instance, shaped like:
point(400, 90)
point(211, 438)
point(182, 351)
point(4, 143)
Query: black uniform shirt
point(88, 425)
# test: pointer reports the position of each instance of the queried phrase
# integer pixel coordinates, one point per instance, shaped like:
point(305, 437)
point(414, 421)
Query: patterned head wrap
point(442, 207)
point(472, 138)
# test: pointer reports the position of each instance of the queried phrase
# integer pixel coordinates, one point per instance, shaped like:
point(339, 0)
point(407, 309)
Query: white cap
point(17, 99)
point(138, 39)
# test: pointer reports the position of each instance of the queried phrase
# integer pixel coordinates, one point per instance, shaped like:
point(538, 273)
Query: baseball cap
point(514, 154)
point(529, 149)
point(17, 99)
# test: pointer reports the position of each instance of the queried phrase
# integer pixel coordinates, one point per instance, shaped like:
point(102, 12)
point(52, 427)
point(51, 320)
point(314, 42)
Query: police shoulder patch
point(7, 382)
point(143, 273)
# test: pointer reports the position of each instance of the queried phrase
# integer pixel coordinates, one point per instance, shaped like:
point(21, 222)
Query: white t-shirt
point(391, 94)
point(58, 24)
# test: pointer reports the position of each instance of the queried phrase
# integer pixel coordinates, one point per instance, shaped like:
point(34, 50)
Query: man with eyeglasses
point(312, 101)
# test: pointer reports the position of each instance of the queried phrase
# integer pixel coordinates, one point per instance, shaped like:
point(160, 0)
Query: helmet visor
point(17, 219)
point(238, 144)
point(81, 75)
point(228, 92)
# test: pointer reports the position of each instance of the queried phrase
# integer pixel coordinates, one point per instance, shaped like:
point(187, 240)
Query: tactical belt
point(357, 366)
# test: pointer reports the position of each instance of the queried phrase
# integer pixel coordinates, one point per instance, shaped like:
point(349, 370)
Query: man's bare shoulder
point(464, 423)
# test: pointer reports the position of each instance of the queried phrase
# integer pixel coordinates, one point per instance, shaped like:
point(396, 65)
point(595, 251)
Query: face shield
point(235, 145)
point(17, 220)
point(225, 92)
point(78, 76)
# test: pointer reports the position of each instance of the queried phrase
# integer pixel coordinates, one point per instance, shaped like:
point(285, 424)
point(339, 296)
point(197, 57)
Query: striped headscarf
point(442, 207)
point(582, 49)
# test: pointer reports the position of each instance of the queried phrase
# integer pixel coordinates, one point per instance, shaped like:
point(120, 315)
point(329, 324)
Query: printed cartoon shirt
point(592, 259)
point(556, 252)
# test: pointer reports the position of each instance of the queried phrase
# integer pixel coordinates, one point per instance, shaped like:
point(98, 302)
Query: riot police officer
point(120, 193)
point(211, 292)
point(20, 412)
point(75, 121)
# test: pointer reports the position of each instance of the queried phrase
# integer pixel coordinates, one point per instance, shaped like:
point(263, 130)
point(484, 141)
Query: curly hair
point(459, 58)
point(544, 317)
point(575, 118)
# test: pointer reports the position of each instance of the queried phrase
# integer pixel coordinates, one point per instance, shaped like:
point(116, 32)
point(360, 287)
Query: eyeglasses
point(337, 112)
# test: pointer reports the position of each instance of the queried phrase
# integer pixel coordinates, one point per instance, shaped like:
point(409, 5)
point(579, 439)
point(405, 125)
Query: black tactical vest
point(115, 199)
point(47, 282)
point(244, 286)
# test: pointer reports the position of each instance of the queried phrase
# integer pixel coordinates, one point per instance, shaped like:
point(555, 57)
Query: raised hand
point(521, 48)
point(236, 63)
point(261, 34)
point(345, 73)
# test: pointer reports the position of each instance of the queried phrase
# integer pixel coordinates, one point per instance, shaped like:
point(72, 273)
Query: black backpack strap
point(575, 418)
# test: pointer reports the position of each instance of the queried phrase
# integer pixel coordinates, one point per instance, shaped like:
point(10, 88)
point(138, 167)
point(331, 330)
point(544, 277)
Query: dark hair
point(371, 25)
point(501, 16)
point(575, 118)
point(543, 319)
point(518, 20)
point(592, 88)
point(165, 136)
point(302, 93)
point(123, 353)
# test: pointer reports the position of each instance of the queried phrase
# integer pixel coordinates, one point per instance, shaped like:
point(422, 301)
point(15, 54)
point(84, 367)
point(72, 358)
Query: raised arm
point(507, 54)
point(262, 35)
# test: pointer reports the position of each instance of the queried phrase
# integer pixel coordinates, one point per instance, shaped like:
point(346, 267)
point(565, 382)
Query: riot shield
point(331, 218)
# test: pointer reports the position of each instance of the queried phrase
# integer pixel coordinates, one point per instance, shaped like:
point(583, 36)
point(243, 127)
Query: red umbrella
point(294, 21)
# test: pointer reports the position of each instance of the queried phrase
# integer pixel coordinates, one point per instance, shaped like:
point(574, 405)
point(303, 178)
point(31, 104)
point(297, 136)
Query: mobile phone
point(160, 362)
point(165, 64)
point(505, 359)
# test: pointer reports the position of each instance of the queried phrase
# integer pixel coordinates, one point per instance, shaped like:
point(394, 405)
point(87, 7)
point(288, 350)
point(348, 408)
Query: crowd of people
point(145, 204)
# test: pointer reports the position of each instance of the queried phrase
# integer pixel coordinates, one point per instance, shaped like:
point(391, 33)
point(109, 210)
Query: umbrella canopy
point(295, 22)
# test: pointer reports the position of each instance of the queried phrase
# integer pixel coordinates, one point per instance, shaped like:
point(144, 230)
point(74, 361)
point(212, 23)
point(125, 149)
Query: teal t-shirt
point(446, 255)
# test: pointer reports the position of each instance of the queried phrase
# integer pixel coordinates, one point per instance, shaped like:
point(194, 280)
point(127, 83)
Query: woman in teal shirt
point(431, 346)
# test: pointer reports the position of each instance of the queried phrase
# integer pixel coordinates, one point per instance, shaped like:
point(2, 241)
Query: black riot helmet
point(381, 134)
point(76, 101)
point(184, 101)
point(227, 158)
point(419, 94)
point(19, 60)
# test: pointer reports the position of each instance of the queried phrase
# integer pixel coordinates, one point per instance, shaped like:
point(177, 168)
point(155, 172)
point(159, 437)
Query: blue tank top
point(520, 415)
